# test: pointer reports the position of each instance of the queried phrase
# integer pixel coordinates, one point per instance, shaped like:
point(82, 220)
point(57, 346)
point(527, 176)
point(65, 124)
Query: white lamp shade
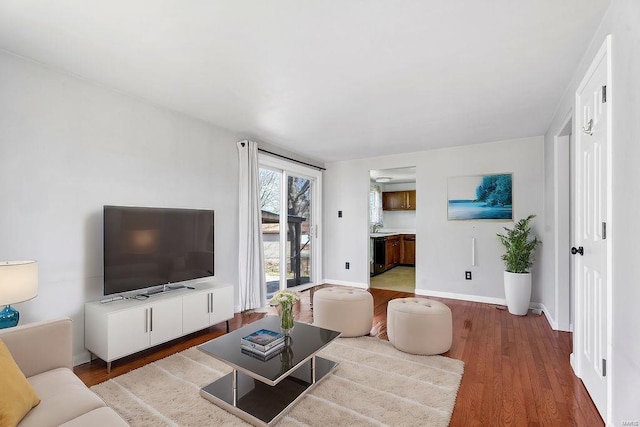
point(18, 281)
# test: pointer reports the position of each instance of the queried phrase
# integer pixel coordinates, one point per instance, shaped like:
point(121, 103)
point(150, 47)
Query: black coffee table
point(261, 392)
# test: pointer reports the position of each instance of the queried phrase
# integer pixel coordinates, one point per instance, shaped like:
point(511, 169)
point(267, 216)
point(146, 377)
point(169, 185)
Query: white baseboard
point(345, 283)
point(572, 362)
point(462, 297)
point(487, 300)
point(539, 306)
point(79, 359)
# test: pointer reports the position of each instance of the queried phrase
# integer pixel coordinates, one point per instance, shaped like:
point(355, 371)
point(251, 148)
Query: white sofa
point(43, 352)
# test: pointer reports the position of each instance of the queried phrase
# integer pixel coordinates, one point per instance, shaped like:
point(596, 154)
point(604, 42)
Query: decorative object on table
point(286, 355)
point(18, 283)
point(518, 258)
point(262, 340)
point(480, 197)
point(264, 356)
point(284, 300)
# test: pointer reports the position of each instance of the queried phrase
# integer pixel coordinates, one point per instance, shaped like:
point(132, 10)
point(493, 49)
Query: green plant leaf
point(519, 246)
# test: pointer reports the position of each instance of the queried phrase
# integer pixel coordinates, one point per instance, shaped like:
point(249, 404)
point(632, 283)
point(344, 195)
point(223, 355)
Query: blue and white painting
point(480, 197)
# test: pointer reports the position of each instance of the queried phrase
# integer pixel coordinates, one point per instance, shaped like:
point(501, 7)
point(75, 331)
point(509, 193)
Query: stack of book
point(263, 344)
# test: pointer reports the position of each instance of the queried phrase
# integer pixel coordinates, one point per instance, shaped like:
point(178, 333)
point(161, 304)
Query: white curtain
point(251, 278)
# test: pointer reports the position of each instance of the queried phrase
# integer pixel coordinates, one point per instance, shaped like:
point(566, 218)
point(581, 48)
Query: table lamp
point(18, 283)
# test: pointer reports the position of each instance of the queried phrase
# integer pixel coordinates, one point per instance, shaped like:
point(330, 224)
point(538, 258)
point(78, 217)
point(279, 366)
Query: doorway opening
point(563, 188)
point(392, 229)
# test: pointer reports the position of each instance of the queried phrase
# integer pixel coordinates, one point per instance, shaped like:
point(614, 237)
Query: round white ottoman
point(347, 310)
point(419, 326)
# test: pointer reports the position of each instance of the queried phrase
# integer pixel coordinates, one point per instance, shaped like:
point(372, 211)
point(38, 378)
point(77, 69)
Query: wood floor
point(517, 369)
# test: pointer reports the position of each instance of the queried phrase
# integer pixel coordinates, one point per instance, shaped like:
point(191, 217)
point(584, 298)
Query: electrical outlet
point(339, 214)
point(467, 275)
point(346, 265)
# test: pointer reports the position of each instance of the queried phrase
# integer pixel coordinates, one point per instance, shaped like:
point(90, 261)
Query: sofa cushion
point(64, 397)
point(101, 417)
point(17, 396)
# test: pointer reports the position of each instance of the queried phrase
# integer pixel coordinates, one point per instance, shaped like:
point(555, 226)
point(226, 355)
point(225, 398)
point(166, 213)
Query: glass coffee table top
point(305, 341)
point(262, 391)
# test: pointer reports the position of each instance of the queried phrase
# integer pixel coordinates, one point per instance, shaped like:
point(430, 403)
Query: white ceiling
point(396, 175)
point(331, 79)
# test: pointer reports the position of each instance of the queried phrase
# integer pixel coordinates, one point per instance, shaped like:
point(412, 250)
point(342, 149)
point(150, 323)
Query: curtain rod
point(289, 158)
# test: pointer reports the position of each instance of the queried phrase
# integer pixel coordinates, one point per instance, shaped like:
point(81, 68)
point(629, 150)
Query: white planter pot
point(517, 290)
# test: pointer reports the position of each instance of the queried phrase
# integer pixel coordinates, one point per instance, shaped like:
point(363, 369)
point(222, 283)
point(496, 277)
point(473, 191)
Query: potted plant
point(518, 259)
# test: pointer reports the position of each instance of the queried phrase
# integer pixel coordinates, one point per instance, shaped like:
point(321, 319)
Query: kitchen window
point(375, 205)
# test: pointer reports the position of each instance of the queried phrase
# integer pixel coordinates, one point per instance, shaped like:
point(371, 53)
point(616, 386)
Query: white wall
point(398, 187)
point(625, 227)
point(399, 220)
point(66, 149)
point(443, 249)
point(622, 21)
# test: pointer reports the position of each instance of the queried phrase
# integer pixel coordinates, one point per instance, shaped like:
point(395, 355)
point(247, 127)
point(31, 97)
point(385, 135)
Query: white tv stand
point(125, 326)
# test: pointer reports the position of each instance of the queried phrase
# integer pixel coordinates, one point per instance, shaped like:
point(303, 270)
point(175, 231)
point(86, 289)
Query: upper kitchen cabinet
point(411, 197)
point(399, 200)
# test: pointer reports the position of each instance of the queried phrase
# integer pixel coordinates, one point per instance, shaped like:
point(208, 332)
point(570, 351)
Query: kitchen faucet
point(376, 227)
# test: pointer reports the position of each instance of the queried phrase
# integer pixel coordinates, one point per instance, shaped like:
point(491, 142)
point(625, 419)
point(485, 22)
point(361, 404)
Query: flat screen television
point(146, 247)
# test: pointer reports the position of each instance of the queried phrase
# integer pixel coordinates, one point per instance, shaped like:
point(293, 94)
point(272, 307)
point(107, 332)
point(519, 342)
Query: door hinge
point(604, 231)
point(604, 94)
point(604, 367)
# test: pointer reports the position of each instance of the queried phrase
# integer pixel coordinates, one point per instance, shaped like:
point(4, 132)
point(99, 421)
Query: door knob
point(579, 250)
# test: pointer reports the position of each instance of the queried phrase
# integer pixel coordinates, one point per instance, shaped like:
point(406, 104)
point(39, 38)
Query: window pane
point(270, 206)
point(299, 236)
point(375, 205)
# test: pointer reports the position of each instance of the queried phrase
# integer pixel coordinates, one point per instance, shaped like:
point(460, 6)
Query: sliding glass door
point(290, 209)
point(299, 247)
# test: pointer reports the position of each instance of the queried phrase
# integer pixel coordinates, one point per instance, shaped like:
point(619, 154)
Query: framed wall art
point(480, 197)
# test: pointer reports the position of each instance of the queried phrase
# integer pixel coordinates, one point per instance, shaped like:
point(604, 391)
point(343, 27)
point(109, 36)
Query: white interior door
point(592, 209)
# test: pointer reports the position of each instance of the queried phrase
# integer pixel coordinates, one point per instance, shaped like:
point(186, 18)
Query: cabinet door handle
point(211, 302)
point(146, 320)
point(151, 319)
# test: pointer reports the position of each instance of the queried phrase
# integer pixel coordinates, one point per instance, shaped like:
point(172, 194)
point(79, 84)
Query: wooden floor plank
point(517, 370)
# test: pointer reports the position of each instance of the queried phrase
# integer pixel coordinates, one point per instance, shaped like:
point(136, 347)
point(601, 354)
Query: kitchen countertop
point(383, 233)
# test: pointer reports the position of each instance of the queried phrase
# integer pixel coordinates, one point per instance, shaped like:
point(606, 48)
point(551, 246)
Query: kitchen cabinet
point(393, 200)
point(392, 251)
point(399, 200)
point(411, 200)
point(408, 249)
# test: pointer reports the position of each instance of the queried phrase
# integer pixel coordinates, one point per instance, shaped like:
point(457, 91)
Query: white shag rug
point(374, 384)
